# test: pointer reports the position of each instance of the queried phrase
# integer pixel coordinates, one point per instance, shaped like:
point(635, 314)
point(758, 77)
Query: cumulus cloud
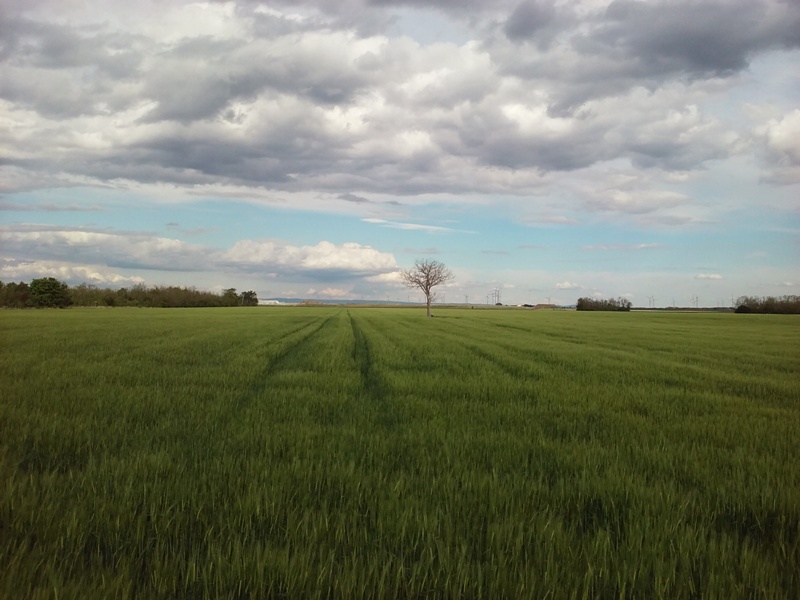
point(528, 20)
point(781, 138)
point(715, 276)
point(392, 277)
point(142, 250)
point(690, 37)
point(567, 285)
point(349, 258)
point(113, 249)
point(71, 273)
point(306, 96)
point(612, 47)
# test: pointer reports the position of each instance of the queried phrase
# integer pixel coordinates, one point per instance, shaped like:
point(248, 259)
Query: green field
point(373, 453)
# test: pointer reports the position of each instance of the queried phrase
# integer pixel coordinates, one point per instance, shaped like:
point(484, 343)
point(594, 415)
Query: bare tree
point(425, 275)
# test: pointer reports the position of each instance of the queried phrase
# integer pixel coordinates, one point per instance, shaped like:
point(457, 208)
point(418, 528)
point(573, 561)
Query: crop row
point(334, 452)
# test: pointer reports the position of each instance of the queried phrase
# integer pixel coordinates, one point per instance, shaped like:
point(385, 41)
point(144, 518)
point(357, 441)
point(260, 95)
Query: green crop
point(373, 453)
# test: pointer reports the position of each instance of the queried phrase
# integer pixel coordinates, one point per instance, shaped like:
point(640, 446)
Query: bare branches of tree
point(425, 275)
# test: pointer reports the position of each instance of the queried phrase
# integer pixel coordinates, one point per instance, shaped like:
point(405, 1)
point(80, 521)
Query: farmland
point(373, 453)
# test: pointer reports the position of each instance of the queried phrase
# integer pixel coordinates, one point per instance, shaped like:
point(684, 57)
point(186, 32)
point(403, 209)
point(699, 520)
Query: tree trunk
point(428, 298)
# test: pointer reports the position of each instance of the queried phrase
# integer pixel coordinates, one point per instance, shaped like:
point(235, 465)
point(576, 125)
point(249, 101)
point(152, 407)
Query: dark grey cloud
point(709, 37)
point(529, 18)
point(64, 71)
point(200, 77)
point(354, 198)
point(302, 101)
point(697, 38)
point(649, 137)
point(644, 44)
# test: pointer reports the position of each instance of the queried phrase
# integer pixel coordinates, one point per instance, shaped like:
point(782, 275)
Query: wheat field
point(340, 452)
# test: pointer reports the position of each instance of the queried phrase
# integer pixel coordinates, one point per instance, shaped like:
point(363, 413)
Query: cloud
point(329, 292)
point(44, 207)
point(408, 226)
point(348, 259)
point(110, 248)
point(70, 273)
point(392, 277)
point(142, 250)
point(528, 20)
point(715, 276)
point(353, 198)
point(608, 48)
point(304, 96)
point(781, 139)
point(566, 285)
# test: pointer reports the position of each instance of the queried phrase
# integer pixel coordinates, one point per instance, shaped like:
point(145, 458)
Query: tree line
point(785, 305)
point(620, 304)
point(782, 305)
point(49, 292)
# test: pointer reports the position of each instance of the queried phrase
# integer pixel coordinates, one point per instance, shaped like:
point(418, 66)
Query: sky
point(646, 149)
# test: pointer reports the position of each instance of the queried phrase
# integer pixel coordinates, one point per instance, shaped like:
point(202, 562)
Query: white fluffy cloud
point(782, 142)
point(114, 249)
point(91, 274)
point(269, 254)
point(100, 251)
